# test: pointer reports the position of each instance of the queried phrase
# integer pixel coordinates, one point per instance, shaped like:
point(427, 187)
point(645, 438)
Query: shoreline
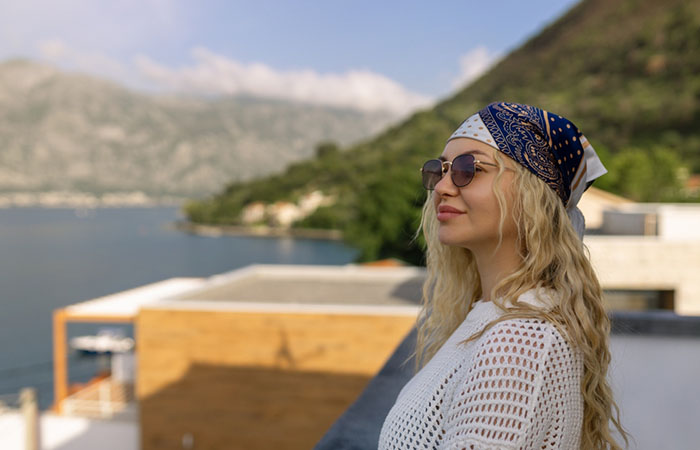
point(91, 207)
point(257, 231)
point(82, 200)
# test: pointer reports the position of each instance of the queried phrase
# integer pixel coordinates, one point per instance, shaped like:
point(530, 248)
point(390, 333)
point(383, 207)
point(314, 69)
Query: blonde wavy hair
point(552, 257)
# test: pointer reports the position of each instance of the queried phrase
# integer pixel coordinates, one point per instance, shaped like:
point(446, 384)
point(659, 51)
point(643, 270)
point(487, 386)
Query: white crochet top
point(516, 387)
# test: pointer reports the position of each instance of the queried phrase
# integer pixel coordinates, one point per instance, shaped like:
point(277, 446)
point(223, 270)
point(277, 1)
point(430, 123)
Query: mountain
point(626, 72)
point(61, 131)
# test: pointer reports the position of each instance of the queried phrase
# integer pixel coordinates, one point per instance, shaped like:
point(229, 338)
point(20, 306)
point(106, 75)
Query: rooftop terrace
point(656, 357)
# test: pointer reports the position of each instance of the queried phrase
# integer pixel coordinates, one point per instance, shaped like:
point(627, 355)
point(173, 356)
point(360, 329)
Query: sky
point(369, 55)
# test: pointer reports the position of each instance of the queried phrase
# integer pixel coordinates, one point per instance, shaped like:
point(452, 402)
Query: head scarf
point(548, 145)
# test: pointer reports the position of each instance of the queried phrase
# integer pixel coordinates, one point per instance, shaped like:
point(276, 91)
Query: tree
point(644, 175)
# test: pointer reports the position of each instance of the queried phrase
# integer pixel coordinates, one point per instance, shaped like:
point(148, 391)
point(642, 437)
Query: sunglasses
point(462, 170)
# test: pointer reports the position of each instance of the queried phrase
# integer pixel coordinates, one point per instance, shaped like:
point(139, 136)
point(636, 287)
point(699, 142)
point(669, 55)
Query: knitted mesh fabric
point(516, 387)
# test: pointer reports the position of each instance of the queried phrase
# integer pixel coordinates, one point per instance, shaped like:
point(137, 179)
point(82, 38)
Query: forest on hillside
point(627, 73)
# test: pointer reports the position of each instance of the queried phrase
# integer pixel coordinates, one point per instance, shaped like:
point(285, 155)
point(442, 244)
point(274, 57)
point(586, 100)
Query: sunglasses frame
point(447, 166)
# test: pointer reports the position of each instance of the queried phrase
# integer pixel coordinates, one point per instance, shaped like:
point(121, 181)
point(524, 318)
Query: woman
point(512, 338)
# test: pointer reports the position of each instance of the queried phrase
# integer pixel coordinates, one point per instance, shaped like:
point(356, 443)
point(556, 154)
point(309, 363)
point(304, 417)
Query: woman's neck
point(494, 266)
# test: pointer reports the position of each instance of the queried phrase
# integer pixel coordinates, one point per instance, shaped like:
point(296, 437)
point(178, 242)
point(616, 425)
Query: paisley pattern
point(547, 144)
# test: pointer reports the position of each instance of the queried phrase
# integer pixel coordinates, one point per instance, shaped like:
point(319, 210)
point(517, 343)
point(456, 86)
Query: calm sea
point(55, 257)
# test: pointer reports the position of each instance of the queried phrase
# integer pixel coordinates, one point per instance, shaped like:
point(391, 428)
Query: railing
point(103, 399)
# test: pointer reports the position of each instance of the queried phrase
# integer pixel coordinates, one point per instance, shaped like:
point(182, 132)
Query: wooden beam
point(60, 361)
point(60, 353)
point(97, 318)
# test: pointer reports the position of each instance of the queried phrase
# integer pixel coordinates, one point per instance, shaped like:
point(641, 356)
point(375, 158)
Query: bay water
point(50, 258)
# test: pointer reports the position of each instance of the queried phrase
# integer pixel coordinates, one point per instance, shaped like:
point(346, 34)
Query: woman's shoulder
point(531, 339)
point(521, 331)
point(517, 334)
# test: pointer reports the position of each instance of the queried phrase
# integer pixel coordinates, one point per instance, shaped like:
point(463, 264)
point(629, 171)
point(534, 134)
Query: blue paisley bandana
point(548, 145)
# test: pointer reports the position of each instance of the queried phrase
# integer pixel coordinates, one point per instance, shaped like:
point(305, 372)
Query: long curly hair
point(552, 257)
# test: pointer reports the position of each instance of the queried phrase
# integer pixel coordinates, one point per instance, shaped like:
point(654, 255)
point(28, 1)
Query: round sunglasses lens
point(463, 170)
point(432, 172)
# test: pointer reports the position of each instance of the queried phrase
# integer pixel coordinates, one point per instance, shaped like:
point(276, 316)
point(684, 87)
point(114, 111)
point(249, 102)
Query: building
point(647, 255)
point(253, 213)
point(283, 214)
point(261, 357)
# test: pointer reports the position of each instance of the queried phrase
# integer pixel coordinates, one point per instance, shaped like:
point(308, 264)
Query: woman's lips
point(447, 212)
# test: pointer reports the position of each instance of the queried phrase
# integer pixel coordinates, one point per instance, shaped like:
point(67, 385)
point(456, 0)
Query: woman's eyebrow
point(475, 152)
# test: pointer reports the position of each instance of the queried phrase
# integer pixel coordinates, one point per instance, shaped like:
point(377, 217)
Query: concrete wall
point(254, 380)
point(679, 222)
point(654, 379)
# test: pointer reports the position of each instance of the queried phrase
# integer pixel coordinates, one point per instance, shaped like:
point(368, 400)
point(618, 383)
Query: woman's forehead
point(456, 147)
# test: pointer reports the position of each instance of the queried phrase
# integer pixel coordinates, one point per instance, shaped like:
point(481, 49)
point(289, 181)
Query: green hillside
point(626, 72)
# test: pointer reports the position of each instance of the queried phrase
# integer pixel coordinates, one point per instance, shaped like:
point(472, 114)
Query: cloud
point(214, 74)
point(57, 52)
point(473, 64)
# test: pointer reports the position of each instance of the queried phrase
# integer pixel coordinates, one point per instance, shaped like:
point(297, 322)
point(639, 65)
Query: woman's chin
point(447, 238)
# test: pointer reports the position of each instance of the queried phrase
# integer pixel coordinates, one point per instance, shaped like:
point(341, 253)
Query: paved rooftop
point(344, 285)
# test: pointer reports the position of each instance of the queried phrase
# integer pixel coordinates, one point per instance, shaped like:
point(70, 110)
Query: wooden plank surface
point(254, 380)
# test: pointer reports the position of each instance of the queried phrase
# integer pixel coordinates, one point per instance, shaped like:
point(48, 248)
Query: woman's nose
point(445, 186)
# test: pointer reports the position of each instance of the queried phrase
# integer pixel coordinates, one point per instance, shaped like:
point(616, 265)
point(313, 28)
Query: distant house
point(283, 214)
point(595, 201)
point(692, 186)
point(253, 213)
point(647, 255)
point(312, 201)
point(609, 214)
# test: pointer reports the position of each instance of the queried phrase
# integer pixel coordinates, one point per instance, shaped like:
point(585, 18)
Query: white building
point(283, 213)
point(312, 201)
point(253, 213)
point(649, 250)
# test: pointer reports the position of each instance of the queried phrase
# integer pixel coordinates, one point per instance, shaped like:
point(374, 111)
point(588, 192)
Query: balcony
point(103, 399)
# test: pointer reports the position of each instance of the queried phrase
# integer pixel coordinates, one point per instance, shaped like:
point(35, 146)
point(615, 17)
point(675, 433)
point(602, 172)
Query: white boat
point(106, 341)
